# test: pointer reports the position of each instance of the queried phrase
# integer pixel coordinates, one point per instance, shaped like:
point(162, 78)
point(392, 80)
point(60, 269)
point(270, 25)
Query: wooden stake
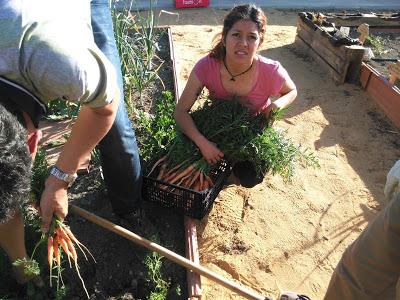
point(192, 253)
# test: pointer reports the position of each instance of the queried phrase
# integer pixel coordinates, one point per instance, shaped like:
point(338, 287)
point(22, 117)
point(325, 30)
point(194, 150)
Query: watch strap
point(61, 175)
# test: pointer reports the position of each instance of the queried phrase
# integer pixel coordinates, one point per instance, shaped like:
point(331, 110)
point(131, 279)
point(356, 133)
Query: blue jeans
point(118, 149)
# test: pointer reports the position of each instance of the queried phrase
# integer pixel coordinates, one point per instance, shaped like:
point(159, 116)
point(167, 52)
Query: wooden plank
point(192, 253)
point(338, 78)
point(336, 57)
point(309, 36)
point(384, 94)
point(355, 55)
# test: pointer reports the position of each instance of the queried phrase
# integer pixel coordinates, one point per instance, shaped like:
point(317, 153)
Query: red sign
point(190, 3)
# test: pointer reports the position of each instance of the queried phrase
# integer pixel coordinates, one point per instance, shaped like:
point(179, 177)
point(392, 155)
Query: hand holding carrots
point(210, 151)
point(54, 201)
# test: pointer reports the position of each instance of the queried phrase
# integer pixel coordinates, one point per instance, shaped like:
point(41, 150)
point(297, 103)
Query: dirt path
point(291, 236)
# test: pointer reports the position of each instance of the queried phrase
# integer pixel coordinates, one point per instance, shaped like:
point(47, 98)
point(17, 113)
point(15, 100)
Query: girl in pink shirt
point(233, 69)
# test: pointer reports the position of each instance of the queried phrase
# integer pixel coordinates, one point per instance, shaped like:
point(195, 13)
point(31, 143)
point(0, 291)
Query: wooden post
point(192, 253)
point(394, 70)
point(363, 29)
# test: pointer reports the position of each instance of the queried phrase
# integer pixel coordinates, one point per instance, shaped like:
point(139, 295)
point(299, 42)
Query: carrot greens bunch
point(241, 136)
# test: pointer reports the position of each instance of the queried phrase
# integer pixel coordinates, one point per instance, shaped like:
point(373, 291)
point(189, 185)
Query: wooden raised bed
point(384, 93)
point(382, 88)
point(342, 62)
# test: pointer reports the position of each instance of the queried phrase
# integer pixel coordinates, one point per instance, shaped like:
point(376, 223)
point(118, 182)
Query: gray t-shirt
point(47, 47)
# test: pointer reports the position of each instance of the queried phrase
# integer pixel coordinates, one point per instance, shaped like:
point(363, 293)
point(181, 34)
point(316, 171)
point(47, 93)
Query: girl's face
point(242, 41)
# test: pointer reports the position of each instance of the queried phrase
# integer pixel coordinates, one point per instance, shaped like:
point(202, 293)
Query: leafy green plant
point(376, 42)
point(137, 43)
point(60, 110)
point(156, 131)
point(153, 263)
point(40, 172)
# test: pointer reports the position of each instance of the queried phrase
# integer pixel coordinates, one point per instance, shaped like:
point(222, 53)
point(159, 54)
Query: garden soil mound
point(290, 236)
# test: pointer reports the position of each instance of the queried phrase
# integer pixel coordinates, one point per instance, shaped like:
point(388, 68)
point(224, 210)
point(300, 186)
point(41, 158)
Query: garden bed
point(317, 35)
point(339, 55)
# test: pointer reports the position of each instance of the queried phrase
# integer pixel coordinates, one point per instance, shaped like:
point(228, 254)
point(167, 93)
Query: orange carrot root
point(182, 174)
point(157, 163)
point(77, 242)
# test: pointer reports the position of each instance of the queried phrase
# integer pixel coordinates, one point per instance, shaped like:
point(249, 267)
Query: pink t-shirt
point(270, 78)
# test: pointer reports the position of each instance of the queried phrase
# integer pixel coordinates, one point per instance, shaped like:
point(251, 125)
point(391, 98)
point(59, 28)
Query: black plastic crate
point(191, 203)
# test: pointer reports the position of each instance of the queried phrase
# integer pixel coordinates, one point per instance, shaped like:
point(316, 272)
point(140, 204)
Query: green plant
point(60, 110)
point(40, 172)
point(153, 263)
point(137, 43)
point(376, 42)
point(156, 131)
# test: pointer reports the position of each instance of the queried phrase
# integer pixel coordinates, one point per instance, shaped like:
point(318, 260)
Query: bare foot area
point(290, 236)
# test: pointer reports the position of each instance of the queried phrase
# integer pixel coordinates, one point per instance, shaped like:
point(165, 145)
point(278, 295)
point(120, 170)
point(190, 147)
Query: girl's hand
point(210, 152)
point(267, 111)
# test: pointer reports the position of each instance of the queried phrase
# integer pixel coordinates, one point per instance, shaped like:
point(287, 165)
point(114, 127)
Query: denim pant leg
point(118, 149)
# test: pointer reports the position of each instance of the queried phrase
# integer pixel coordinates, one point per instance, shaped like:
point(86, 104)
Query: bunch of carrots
point(190, 175)
point(61, 239)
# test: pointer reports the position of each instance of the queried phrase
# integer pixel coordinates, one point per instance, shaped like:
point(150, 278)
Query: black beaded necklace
point(233, 76)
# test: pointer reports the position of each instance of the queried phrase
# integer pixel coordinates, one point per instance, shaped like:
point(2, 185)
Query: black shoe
point(132, 218)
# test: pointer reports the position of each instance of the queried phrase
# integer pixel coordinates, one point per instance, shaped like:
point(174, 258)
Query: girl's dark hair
point(241, 12)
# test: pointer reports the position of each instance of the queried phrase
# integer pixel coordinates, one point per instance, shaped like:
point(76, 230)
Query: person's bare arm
point(189, 95)
point(90, 127)
point(288, 94)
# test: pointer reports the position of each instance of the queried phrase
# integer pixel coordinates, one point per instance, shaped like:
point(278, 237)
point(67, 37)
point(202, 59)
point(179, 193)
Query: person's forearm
point(281, 102)
point(188, 127)
point(286, 99)
point(90, 127)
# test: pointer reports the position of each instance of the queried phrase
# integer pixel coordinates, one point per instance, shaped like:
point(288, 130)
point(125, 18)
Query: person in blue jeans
point(60, 50)
point(119, 151)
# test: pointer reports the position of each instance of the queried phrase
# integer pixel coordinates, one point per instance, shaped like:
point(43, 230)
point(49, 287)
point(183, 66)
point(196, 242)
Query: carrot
point(205, 186)
point(72, 250)
point(194, 178)
point(185, 183)
point(201, 179)
point(50, 253)
point(64, 246)
point(167, 177)
point(77, 242)
point(210, 182)
point(197, 186)
point(173, 170)
point(182, 174)
point(56, 252)
point(157, 163)
point(162, 171)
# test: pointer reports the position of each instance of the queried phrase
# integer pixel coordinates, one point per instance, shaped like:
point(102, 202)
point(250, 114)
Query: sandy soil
point(291, 236)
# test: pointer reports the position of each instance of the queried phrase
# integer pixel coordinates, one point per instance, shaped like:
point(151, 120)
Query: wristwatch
point(59, 174)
